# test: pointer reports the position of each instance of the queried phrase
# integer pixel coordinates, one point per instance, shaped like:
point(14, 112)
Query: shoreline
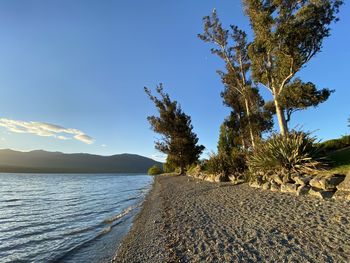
point(187, 220)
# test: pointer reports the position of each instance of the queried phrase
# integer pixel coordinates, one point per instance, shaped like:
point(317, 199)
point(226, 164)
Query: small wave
point(118, 216)
point(11, 200)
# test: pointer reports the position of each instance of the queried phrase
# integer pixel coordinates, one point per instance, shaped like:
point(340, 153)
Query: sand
point(187, 220)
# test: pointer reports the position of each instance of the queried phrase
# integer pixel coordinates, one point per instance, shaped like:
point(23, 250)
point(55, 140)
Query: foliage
point(292, 153)
point(287, 34)
point(178, 141)
point(168, 168)
point(226, 164)
point(155, 170)
point(298, 95)
point(335, 144)
point(239, 93)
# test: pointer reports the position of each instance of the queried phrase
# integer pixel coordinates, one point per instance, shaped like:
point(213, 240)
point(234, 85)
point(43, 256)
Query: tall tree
point(287, 34)
point(239, 93)
point(178, 141)
point(235, 58)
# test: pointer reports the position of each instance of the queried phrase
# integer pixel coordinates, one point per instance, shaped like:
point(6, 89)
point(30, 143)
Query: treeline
point(287, 35)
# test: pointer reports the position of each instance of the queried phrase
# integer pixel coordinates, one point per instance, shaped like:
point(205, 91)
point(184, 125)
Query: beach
point(187, 220)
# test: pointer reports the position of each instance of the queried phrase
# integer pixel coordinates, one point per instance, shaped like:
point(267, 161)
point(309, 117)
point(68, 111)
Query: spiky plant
point(293, 153)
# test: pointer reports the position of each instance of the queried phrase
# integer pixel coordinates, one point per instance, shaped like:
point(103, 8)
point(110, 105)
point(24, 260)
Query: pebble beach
point(188, 220)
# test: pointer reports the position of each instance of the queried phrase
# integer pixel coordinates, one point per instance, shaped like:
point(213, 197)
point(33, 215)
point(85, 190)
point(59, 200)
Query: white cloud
point(84, 138)
point(45, 129)
point(103, 145)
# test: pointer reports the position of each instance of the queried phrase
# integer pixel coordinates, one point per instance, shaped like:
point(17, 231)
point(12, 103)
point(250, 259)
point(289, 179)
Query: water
point(66, 217)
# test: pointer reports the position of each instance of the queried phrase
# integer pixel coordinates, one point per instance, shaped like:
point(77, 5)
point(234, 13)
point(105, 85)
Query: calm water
point(66, 217)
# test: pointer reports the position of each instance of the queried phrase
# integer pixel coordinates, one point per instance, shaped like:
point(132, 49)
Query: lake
point(67, 217)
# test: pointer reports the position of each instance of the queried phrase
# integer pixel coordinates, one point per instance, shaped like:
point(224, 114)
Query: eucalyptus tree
point(178, 140)
point(287, 35)
point(231, 46)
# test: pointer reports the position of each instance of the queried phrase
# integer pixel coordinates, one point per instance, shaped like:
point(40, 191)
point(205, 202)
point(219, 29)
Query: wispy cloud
point(45, 129)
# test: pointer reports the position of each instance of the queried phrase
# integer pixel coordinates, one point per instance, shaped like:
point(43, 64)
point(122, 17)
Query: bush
point(168, 168)
point(293, 153)
point(226, 164)
point(154, 170)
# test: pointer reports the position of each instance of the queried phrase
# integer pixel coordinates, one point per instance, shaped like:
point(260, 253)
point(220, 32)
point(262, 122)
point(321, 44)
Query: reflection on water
point(66, 217)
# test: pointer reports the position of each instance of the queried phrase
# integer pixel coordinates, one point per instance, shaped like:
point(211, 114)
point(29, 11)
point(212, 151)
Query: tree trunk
point(243, 142)
point(249, 122)
point(182, 170)
point(281, 118)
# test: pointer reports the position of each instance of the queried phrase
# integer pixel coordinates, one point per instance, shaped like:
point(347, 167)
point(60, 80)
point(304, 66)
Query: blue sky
point(81, 66)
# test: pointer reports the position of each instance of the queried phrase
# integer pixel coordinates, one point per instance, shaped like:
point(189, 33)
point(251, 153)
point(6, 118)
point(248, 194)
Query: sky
point(72, 73)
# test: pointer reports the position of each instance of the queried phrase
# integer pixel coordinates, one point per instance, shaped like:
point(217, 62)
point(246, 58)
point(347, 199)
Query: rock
point(301, 180)
point(266, 186)
point(209, 178)
point(343, 192)
point(254, 184)
point(303, 190)
point(332, 182)
point(238, 179)
point(321, 193)
point(288, 188)
point(345, 184)
point(277, 179)
point(274, 187)
point(327, 182)
point(317, 182)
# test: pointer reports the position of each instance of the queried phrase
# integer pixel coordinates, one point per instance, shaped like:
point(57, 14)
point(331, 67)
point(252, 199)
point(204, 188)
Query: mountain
point(40, 161)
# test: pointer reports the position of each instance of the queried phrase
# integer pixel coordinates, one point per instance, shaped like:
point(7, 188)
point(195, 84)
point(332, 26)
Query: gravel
point(187, 220)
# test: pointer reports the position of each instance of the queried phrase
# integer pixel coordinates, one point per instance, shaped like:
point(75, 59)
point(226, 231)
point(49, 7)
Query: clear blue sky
point(82, 65)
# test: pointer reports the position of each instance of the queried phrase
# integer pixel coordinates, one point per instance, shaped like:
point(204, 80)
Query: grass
point(341, 160)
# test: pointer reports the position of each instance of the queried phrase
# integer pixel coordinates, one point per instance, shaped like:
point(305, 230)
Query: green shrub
point(226, 164)
point(154, 170)
point(168, 168)
point(293, 153)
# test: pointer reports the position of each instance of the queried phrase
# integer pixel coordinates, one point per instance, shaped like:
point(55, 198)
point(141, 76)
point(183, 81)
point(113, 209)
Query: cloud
point(103, 145)
point(45, 129)
point(84, 138)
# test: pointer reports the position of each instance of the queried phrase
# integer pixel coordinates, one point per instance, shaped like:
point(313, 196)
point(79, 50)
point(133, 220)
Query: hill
point(40, 161)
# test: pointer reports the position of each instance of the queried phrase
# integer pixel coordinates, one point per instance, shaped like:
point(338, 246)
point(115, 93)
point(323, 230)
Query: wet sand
point(187, 220)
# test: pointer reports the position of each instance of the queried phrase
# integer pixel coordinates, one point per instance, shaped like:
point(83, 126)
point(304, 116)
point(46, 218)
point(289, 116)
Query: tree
point(287, 34)
point(297, 96)
point(239, 93)
point(229, 137)
point(178, 141)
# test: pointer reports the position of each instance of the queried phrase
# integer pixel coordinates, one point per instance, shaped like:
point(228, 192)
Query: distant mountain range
point(56, 162)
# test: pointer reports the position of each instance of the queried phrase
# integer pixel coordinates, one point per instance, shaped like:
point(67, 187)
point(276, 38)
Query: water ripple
point(44, 218)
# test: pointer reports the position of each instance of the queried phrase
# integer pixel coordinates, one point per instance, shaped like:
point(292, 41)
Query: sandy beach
point(187, 220)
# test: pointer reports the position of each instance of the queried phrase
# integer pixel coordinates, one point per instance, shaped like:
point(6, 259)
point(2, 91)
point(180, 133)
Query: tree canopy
point(239, 93)
point(287, 34)
point(178, 140)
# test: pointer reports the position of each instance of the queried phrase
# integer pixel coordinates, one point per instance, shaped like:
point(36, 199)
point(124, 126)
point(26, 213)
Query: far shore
point(187, 220)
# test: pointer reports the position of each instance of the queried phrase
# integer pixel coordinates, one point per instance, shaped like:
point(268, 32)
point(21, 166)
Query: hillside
point(56, 162)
